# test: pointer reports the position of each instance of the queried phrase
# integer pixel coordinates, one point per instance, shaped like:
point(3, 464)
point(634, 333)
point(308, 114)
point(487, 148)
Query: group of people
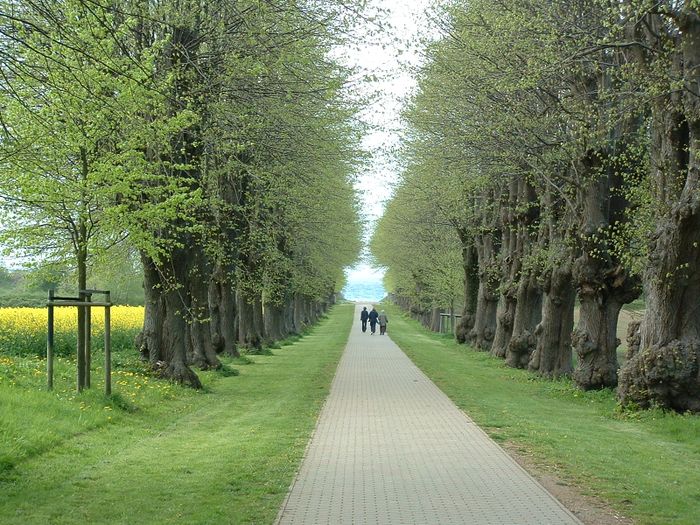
point(374, 318)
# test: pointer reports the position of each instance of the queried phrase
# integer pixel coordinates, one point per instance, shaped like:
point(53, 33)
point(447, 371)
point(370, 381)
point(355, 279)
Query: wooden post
point(49, 345)
point(81, 343)
point(108, 346)
point(88, 340)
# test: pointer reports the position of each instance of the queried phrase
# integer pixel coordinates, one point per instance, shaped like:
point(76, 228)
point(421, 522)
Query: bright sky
point(389, 58)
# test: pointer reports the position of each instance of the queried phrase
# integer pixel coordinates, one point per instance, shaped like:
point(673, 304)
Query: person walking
point(363, 317)
point(382, 319)
point(373, 315)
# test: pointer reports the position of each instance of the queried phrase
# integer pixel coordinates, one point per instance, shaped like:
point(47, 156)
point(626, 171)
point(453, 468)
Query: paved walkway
point(391, 448)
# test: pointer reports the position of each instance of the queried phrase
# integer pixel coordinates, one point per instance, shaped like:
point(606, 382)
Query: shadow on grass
point(227, 371)
point(257, 351)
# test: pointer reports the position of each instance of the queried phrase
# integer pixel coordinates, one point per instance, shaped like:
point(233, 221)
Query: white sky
point(390, 58)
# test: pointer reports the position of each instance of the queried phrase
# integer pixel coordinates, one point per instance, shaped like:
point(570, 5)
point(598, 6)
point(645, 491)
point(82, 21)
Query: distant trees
point(560, 136)
point(215, 138)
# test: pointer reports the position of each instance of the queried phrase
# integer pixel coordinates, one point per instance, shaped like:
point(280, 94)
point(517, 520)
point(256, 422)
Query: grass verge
point(224, 455)
point(646, 464)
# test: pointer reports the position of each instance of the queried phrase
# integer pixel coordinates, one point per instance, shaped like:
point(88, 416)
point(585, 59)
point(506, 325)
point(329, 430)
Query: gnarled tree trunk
point(470, 265)
point(484, 329)
point(528, 302)
point(222, 309)
point(163, 337)
point(604, 285)
point(528, 313)
point(510, 271)
point(552, 356)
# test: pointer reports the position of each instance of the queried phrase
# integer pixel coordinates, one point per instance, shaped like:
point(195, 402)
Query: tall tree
point(664, 369)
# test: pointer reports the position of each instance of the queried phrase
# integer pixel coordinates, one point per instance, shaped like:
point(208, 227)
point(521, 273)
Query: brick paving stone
point(390, 448)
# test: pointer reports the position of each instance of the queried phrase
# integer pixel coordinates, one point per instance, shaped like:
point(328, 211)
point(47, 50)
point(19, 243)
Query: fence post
point(108, 345)
point(81, 343)
point(88, 339)
point(49, 344)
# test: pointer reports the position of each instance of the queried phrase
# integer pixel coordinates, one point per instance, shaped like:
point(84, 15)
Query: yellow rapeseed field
point(66, 319)
point(23, 330)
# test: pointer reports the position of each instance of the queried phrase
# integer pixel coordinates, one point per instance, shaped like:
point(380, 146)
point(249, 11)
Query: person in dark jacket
point(363, 317)
point(373, 315)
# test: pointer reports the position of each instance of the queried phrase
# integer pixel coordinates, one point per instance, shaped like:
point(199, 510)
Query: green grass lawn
point(646, 464)
point(157, 453)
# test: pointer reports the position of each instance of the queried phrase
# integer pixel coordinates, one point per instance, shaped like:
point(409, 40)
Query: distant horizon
point(364, 284)
point(369, 292)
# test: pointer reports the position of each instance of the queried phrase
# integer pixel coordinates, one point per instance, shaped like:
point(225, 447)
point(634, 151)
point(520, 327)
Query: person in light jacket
point(383, 320)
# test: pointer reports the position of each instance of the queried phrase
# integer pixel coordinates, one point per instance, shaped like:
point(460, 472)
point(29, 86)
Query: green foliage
point(421, 250)
point(73, 108)
point(110, 134)
point(18, 288)
point(512, 93)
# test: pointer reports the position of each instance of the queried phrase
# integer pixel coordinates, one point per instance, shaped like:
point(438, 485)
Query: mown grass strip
point(647, 464)
point(225, 455)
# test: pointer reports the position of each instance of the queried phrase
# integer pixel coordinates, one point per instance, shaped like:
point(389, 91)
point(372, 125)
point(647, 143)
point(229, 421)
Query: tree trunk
point(604, 285)
point(164, 329)
point(299, 323)
point(149, 340)
point(248, 336)
point(289, 327)
point(601, 295)
point(200, 344)
point(528, 302)
point(426, 317)
point(528, 313)
point(487, 295)
point(83, 357)
point(174, 344)
point(309, 311)
point(510, 265)
point(258, 320)
point(434, 323)
point(552, 357)
point(470, 265)
point(595, 340)
point(274, 322)
point(222, 309)
point(485, 319)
